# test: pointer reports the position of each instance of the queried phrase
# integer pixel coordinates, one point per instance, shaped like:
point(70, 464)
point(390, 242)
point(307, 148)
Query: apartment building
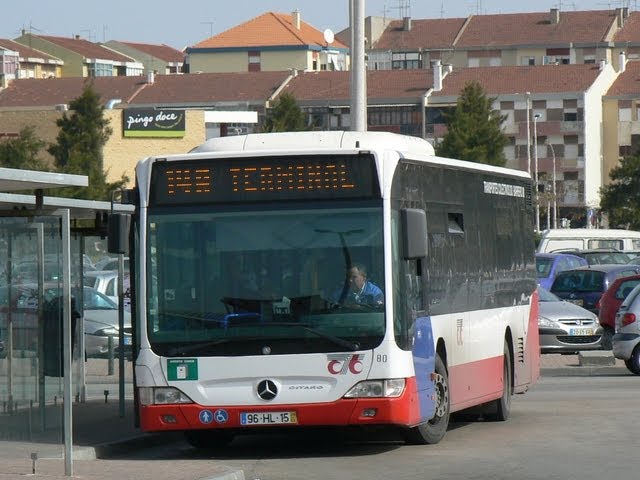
point(82, 58)
point(269, 42)
point(161, 59)
point(20, 61)
point(538, 38)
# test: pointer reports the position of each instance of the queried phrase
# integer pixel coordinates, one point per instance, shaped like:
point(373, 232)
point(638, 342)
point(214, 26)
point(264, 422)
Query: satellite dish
point(328, 36)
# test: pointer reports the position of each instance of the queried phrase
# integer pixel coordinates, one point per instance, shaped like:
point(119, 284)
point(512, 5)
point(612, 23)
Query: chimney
point(406, 24)
point(554, 17)
point(621, 15)
point(602, 63)
point(437, 76)
point(150, 77)
point(623, 62)
point(295, 19)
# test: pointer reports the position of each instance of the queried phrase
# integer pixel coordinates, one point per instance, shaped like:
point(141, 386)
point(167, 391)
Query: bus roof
point(318, 140)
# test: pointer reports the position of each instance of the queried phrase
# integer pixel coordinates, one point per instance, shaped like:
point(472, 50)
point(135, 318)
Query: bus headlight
point(377, 388)
point(162, 396)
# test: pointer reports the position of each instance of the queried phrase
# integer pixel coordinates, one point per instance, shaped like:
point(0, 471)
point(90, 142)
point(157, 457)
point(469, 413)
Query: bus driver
point(361, 291)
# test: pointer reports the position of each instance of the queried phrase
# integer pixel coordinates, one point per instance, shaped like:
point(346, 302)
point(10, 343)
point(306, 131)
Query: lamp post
point(535, 173)
point(529, 133)
point(553, 188)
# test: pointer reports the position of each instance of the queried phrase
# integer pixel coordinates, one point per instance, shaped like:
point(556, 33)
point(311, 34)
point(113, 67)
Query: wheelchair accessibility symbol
point(220, 416)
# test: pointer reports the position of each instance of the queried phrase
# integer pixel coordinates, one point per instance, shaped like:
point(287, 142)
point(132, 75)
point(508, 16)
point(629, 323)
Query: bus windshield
point(276, 281)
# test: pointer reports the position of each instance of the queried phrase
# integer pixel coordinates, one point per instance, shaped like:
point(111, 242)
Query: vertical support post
point(67, 407)
point(358, 105)
point(535, 157)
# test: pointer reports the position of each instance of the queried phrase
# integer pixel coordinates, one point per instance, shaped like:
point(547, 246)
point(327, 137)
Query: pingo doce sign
point(149, 122)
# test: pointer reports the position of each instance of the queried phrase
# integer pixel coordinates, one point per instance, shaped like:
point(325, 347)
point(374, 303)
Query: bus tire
point(501, 408)
point(435, 429)
point(208, 439)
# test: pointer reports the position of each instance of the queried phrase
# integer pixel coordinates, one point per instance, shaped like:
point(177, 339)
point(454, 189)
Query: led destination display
point(267, 178)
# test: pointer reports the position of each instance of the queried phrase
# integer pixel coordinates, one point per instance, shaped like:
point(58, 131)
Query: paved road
point(97, 426)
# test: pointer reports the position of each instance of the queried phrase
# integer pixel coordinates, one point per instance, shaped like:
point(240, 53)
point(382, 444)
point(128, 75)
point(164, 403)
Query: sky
point(184, 24)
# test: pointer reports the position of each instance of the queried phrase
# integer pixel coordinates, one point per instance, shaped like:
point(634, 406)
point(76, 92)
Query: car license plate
point(578, 302)
point(581, 331)
point(268, 418)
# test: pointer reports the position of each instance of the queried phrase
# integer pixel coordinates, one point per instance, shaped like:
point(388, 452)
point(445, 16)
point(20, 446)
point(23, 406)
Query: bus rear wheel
point(500, 409)
point(208, 439)
point(435, 429)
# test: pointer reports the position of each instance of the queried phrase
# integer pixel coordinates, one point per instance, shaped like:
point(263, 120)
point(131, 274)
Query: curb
point(583, 371)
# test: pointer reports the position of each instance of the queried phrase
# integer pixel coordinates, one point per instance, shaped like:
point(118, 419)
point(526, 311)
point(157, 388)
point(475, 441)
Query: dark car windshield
point(579, 281)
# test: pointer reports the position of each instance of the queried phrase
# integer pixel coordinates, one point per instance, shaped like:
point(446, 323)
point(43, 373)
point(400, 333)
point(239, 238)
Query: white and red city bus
point(242, 262)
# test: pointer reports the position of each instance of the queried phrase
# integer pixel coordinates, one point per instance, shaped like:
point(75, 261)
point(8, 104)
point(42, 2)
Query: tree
point(23, 151)
point(620, 199)
point(474, 129)
point(80, 141)
point(285, 116)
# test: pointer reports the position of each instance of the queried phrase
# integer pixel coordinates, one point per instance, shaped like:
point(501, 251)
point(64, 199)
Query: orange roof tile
point(24, 51)
point(628, 82)
point(30, 92)
point(86, 48)
point(189, 89)
point(268, 29)
point(382, 85)
point(431, 33)
point(521, 79)
point(163, 52)
point(536, 29)
point(630, 31)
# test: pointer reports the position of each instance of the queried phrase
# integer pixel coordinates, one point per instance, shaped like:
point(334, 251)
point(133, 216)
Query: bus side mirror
point(118, 233)
point(414, 231)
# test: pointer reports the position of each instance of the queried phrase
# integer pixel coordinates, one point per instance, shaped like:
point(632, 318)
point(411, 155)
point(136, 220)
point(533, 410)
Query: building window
point(406, 61)
point(100, 69)
point(254, 61)
point(570, 116)
point(527, 60)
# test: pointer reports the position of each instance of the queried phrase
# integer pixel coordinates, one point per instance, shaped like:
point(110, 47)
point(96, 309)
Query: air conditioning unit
point(62, 107)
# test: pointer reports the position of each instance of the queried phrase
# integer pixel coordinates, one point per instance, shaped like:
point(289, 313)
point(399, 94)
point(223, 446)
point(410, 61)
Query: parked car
point(610, 303)
point(584, 286)
point(106, 282)
point(548, 265)
point(626, 340)
point(100, 318)
point(111, 263)
point(565, 327)
point(602, 256)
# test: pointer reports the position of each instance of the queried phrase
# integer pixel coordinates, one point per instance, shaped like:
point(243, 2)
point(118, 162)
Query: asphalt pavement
point(104, 432)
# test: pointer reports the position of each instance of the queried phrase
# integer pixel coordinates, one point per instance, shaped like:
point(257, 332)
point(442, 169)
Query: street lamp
point(553, 188)
point(535, 163)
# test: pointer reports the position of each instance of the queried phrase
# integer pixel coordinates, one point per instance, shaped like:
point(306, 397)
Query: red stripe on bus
point(475, 382)
point(402, 411)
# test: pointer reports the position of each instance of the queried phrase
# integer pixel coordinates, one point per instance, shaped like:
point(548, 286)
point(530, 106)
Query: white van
point(588, 238)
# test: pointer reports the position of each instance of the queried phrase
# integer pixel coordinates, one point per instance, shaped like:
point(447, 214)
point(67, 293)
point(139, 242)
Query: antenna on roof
point(404, 8)
point(210, 27)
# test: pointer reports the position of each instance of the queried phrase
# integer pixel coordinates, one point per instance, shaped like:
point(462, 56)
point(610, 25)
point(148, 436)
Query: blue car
point(584, 286)
point(549, 265)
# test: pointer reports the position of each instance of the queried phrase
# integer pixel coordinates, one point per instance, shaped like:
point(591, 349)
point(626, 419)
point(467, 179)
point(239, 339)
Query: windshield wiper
point(352, 346)
point(182, 349)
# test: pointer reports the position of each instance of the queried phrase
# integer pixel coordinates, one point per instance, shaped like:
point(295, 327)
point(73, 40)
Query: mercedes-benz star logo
point(267, 390)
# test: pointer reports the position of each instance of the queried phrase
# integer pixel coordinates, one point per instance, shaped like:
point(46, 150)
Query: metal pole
point(535, 156)
point(66, 344)
point(358, 105)
point(528, 133)
point(553, 189)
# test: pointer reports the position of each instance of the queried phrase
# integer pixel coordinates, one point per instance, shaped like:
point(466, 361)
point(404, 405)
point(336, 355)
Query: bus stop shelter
point(42, 255)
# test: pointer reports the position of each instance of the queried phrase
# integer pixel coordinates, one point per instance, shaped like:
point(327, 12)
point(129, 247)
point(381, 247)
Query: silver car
point(565, 327)
point(626, 340)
